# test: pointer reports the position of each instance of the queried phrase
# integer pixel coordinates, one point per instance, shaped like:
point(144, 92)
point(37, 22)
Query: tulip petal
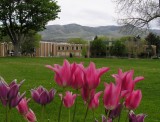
point(61, 96)
point(40, 89)
point(133, 100)
point(13, 91)
point(44, 98)
point(30, 116)
point(52, 93)
point(129, 76)
point(69, 99)
point(136, 118)
point(15, 101)
point(140, 117)
point(103, 70)
point(50, 67)
point(22, 107)
point(104, 119)
point(35, 95)
point(66, 73)
point(94, 100)
point(21, 83)
point(111, 96)
point(4, 89)
point(13, 83)
point(137, 79)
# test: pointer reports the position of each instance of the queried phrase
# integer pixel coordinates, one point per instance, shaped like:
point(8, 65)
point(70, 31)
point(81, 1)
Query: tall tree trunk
point(16, 49)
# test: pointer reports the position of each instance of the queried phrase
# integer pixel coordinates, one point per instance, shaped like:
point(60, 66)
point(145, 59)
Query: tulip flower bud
point(133, 100)
point(42, 96)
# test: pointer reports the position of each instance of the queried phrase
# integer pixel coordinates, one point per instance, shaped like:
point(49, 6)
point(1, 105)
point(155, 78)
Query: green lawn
point(34, 72)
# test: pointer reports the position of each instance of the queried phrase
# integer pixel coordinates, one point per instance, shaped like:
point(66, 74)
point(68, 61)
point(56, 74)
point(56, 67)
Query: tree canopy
point(153, 39)
point(31, 43)
point(118, 49)
point(18, 17)
point(139, 13)
point(98, 47)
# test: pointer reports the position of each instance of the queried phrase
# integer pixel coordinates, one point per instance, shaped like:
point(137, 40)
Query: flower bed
point(115, 96)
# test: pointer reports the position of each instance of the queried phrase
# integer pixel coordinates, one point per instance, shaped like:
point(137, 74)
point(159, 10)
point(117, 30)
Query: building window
point(67, 48)
point(62, 48)
point(81, 47)
point(72, 48)
point(59, 48)
point(77, 48)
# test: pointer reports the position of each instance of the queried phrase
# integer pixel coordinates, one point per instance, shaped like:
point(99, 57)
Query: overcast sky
point(86, 12)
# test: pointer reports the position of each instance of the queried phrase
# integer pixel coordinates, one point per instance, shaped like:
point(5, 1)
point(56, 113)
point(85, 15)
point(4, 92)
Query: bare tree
point(139, 13)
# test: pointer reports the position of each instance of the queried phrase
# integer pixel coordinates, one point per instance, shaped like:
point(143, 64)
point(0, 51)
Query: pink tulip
point(120, 76)
point(111, 96)
point(63, 73)
point(133, 100)
point(69, 99)
point(94, 99)
point(92, 75)
point(126, 80)
point(22, 107)
point(78, 77)
point(30, 116)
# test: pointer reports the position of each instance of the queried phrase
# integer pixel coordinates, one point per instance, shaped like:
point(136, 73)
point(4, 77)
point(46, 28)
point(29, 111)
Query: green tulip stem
point(86, 113)
point(75, 106)
point(106, 113)
point(42, 113)
point(121, 109)
point(60, 109)
point(93, 114)
point(69, 115)
point(120, 114)
point(6, 113)
point(127, 116)
point(9, 114)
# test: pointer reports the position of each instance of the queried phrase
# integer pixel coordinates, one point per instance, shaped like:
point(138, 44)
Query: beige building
point(6, 49)
point(47, 49)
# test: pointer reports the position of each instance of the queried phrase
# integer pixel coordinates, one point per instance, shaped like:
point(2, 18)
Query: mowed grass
point(34, 72)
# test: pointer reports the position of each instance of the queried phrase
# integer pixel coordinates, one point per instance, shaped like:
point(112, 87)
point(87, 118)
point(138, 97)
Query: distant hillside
point(64, 32)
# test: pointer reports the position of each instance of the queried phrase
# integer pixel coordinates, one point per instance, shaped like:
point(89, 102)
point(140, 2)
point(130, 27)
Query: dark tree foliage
point(118, 49)
point(17, 17)
point(31, 43)
point(153, 39)
point(98, 47)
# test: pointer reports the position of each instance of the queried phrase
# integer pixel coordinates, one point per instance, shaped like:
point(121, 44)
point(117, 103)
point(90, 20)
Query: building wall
point(47, 49)
point(6, 49)
point(2, 49)
point(64, 49)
